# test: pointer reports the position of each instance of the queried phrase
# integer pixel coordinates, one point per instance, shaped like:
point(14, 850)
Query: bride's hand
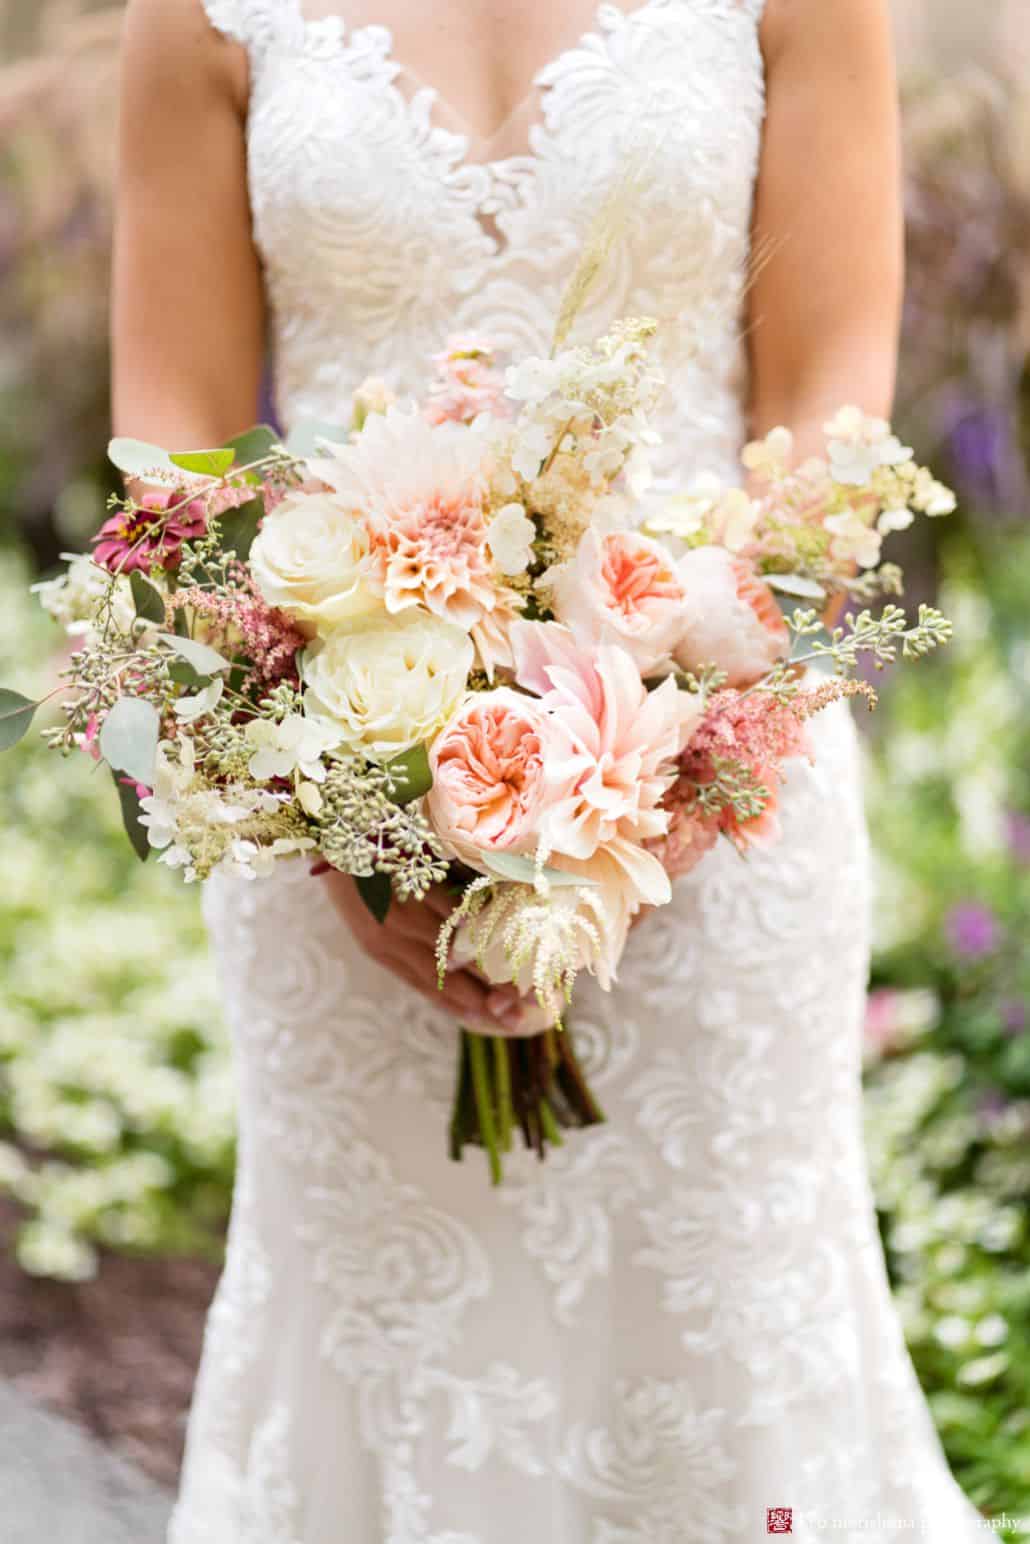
point(405, 943)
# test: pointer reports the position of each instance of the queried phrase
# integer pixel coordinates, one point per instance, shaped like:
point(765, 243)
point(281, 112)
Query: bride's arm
point(188, 309)
point(188, 331)
point(825, 305)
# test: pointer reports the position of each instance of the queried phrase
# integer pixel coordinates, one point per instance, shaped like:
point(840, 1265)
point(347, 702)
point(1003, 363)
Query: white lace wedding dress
point(681, 1318)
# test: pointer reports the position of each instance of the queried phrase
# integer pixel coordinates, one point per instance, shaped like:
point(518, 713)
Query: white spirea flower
point(859, 445)
point(189, 708)
point(296, 744)
point(510, 536)
point(770, 456)
point(71, 597)
point(391, 684)
point(307, 560)
point(854, 540)
point(894, 520)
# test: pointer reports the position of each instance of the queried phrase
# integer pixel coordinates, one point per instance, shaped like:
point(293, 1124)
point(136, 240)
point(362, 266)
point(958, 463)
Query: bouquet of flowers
point(452, 643)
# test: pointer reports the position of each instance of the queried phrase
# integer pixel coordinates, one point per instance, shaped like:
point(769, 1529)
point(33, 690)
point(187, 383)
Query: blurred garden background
point(116, 1104)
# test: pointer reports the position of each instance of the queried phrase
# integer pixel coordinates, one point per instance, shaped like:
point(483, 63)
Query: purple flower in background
point(1013, 1016)
point(992, 1106)
point(973, 930)
point(1017, 826)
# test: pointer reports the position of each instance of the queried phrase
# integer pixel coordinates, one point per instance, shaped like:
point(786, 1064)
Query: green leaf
point(209, 463)
point(522, 870)
point(147, 598)
point(238, 527)
point(253, 444)
point(136, 457)
point(16, 714)
point(128, 738)
point(185, 675)
point(205, 660)
point(411, 774)
point(305, 437)
point(137, 834)
point(376, 891)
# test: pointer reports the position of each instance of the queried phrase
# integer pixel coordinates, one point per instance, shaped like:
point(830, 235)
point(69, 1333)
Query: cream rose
point(389, 684)
point(307, 560)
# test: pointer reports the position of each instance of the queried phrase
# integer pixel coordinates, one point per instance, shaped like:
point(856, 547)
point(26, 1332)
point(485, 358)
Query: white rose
point(390, 684)
point(307, 560)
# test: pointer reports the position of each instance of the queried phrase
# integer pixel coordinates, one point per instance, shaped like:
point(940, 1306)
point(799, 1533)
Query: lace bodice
point(382, 233)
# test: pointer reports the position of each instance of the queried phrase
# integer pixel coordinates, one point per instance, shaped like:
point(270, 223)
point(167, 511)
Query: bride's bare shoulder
point(174, 41)
point(837, 25)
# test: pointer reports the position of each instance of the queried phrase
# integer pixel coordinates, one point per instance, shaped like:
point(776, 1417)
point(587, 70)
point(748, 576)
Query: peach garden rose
point(622, 588)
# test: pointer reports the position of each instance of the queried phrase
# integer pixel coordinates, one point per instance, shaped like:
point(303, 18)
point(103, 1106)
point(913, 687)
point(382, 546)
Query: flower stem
point(502, 1086)
point(484, 1104)
point(550, 1125)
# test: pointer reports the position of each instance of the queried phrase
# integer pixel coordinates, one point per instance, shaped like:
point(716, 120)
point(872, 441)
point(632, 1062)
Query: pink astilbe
point(240, 622)
point(753, 733)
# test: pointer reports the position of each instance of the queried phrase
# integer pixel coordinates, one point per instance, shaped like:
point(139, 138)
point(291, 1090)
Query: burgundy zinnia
point(144, 537)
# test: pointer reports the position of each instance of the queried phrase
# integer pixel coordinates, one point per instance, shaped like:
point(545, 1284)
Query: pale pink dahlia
point(624, 738)
point(420, 490)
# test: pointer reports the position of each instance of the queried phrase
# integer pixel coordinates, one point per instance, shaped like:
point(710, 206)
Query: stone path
point(59, 1485)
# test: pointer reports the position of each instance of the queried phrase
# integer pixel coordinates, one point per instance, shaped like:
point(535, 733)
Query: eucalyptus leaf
point(205, 660)
point(16, 714)
point(254, 444)
point(185, 675)
point(377, 892)
point(136, 457)
point(238, 527)
point(795, 584)
point(522, 870)
point(129, 736)
point(209, 463)
point(306, 436)
point(411, 774)
point(147, 598)
point(129, 801)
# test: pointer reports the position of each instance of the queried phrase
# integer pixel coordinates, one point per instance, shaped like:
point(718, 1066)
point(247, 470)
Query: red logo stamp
point(779, 1519)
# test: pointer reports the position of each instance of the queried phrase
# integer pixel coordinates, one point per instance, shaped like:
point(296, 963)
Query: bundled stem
point(533, 1082)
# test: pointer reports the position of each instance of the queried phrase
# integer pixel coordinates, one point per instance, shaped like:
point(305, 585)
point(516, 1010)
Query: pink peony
point(622, 588)
point(731, 617)
point(624, 738)
point(498, 765)
point(145, 538)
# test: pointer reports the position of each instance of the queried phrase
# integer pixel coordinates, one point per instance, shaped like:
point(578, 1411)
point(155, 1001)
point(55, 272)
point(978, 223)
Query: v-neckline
point(468, 139)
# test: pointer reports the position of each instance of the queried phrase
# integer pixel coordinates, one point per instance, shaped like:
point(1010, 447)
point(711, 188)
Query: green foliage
point(948, 1103)
point(116, 1095)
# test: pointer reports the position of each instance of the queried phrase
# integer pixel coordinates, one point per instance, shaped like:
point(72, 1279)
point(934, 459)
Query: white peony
point(307, 560)
point(391, 684)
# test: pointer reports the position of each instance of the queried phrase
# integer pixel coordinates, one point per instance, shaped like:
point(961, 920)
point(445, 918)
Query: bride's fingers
point(460, 995)
point(410, 919)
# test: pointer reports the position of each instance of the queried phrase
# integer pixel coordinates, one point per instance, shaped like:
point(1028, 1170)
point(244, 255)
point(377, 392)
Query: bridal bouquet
point(450, 642)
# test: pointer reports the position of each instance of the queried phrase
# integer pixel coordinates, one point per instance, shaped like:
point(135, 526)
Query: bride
point(678, 1329)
